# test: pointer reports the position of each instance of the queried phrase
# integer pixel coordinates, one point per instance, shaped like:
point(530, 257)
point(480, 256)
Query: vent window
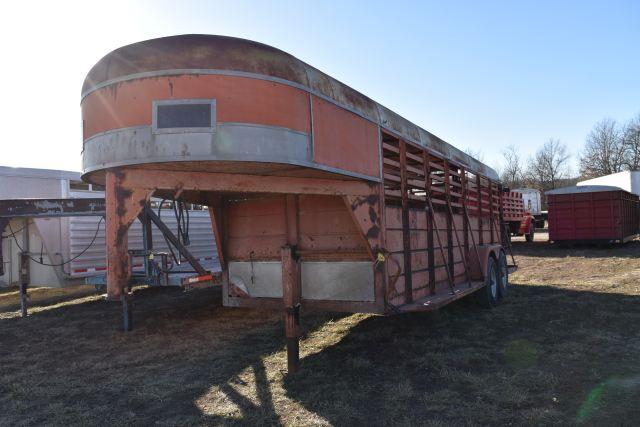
point(195, 115)
point(78, 185)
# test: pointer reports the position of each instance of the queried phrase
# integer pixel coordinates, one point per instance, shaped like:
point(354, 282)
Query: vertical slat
point(479, 191)
point(406, 234)
point(291, 202)
point(215, 215)
point(147, 242)
point(503, 238)
point(447, 193)
point(491, 228)
point(291, 285)
point(291, 299)
point(430, 223)
point(382, 274)
point(465, 223)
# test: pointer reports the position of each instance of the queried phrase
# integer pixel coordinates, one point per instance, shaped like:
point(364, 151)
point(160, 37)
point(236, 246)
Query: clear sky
point(479, 74)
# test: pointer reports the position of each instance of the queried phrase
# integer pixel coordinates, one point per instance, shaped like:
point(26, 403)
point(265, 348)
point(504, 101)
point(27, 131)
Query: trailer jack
point(127, 311)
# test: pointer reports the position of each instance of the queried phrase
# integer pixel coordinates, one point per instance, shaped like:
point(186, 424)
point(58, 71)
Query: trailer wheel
point(529, 236)
point(503, 272)
point(487, 296)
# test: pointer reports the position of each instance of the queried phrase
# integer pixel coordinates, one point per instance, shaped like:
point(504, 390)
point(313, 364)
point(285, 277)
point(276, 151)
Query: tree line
point(610, 147)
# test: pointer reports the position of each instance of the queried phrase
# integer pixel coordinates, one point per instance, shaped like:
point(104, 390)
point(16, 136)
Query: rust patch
point(122, 195)
point(369, 200)
point(195, 51)
point(374, 231)
point(123, 265)
point(235, 291)
point(121, 234)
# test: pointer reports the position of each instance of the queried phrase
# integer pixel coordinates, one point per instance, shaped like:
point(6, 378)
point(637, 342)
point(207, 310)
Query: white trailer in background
point(627, 180)
point(532, 199)
point(60, 239)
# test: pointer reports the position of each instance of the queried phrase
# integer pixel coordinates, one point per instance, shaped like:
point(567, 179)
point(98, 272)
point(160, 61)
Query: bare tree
point(512, 172)
point(631, 142)
point(476, 154)
point(549, 166)
point(604, 152)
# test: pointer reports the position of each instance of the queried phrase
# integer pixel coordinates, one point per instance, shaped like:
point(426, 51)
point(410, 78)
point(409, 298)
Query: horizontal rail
point(31, 208)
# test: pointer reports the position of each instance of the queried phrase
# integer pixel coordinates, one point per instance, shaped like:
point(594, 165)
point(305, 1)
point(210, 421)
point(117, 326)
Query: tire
point(503, 272)
point(487, 296)
point(529, 236)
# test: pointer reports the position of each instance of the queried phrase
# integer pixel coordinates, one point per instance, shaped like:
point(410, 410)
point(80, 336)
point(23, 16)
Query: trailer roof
point(526, 189)
point(583, 189)
point(208, 54)
point(39, 173)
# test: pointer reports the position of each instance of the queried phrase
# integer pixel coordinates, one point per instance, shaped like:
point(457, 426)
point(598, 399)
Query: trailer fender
point(479, 272)
point(526, 225)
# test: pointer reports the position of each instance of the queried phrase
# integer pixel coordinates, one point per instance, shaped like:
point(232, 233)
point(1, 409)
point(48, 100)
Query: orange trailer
point(319, 197)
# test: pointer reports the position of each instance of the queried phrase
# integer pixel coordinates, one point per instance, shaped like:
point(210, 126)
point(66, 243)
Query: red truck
point(517, 219)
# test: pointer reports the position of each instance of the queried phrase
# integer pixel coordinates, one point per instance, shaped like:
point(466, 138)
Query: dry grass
point(563, 349)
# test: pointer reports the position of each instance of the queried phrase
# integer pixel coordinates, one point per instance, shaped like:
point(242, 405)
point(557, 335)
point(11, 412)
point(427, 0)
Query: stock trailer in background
point(593, 214)
point(517, 219)
point(69, 249)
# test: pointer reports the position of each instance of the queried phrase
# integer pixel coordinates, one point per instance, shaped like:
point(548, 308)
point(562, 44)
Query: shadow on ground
point(546, 355)
point(543, 249)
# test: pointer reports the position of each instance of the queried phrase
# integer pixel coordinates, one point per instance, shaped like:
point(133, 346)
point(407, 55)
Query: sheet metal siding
point(610, 215)
point(82, 230)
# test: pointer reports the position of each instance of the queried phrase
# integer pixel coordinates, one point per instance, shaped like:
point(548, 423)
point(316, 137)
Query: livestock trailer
point(593, 213)
point(517, 219)
point(319, 197)
point(71, 250)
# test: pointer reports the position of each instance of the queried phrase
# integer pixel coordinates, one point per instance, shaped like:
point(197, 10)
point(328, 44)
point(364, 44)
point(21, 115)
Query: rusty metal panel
point(325, 225)
point(345, 96)
point(396, 291)
point(394, 240)
point(256, 228)
point(238, 99)
point(393, 217)
point(398, 124)
point(344, 140)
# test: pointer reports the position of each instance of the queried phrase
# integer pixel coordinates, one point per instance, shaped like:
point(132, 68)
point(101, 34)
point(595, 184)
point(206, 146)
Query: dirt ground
point(564, 348)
